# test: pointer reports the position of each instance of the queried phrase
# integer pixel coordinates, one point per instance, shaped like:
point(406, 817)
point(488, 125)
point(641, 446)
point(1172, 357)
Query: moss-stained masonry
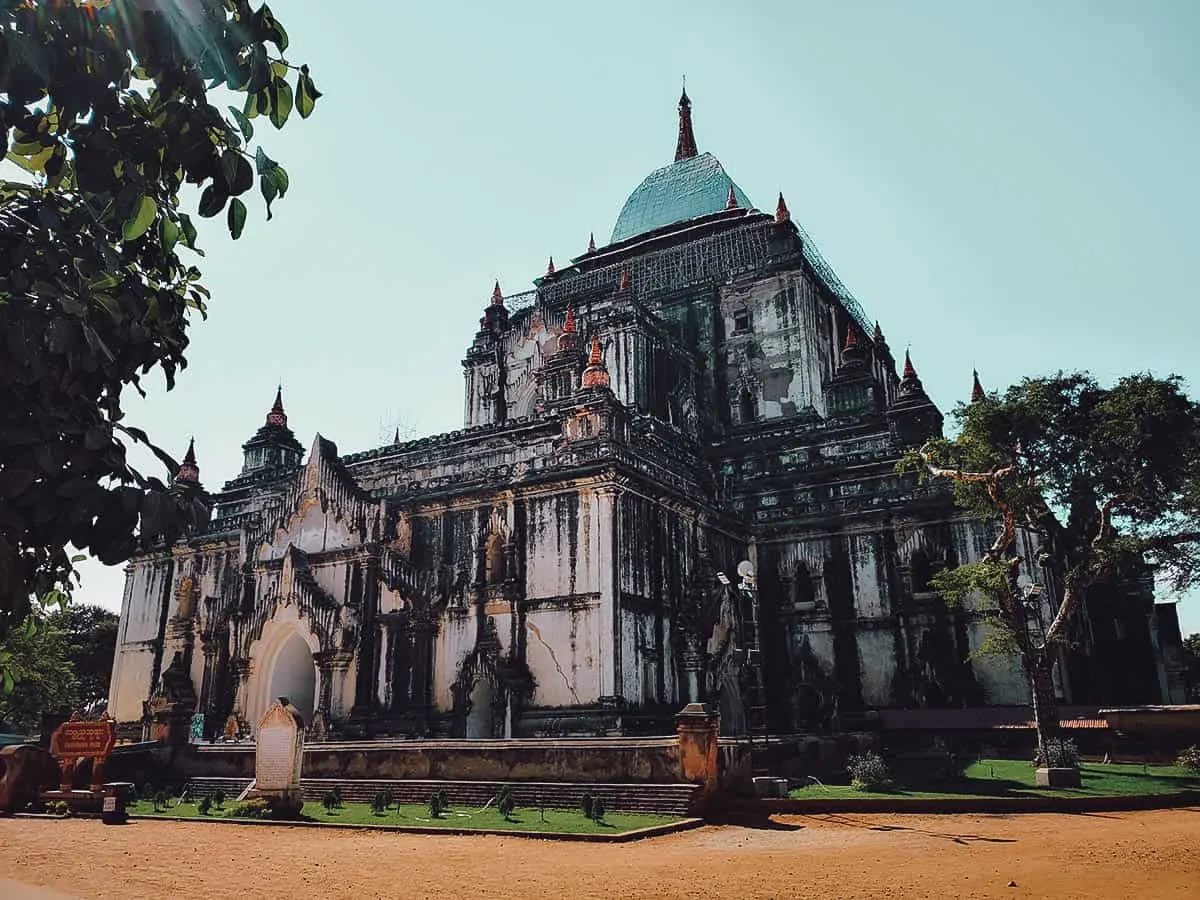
point(552, 567)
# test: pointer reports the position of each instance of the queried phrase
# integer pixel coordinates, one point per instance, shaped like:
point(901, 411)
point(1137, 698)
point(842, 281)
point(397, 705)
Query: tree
point(91, 636)
point(109, 108)
point(1191, 659)
point(40, 679)
point(1107, 480)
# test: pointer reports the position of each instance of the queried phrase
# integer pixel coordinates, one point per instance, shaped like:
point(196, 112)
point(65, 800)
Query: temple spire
point(497, 295)
point(685, 147)
point(592, 242)
point(189, 472)
point(396, 437)
point(550, 268)
point(277, 416)
point(910, 384)
point(781, 211)
point(977, 393)
point(596, 373)
point(731, 202)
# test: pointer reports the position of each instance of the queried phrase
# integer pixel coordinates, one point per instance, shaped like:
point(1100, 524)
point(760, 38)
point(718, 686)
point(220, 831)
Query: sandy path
point(1119, 855)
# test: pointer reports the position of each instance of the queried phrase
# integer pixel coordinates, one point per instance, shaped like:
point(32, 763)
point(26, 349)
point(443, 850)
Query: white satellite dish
point(745, 568)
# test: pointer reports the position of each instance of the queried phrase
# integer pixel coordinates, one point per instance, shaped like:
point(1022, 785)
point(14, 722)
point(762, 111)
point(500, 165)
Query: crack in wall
point(533, 629)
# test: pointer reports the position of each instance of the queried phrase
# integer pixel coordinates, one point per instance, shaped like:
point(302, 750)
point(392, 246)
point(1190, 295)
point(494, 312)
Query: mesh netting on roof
point(683, 190)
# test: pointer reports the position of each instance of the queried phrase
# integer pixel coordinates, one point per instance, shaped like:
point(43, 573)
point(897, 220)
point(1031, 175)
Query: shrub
point(57, 808)
point(147, 791)
point(258, 808)
point(598, 809)
point(388, 799)
point(506, 803)
point(204, 806)
point(379, 803)
point(160, 801)
point(435, 805)
point(868, 772)
point(443, 800)
point(337, 796)
point(587, 804)
point(218, 798)
point(1059, 753)
point(330, 801)
point(1189, 760)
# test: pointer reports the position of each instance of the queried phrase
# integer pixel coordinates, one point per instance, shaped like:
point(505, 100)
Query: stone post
point(698, 729)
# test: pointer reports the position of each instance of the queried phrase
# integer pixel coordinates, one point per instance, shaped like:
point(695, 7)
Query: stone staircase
point(206, 787)
point(663, 799)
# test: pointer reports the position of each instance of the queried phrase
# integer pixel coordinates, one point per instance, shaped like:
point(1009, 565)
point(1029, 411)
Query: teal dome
point(697, 186)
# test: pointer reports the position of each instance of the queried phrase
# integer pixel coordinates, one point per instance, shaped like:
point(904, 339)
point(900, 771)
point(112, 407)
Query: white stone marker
point(279, 753)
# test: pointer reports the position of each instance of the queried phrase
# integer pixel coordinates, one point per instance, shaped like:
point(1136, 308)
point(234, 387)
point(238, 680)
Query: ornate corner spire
point(277, 416)
point(852, 355)
point(396, 437)
point(880, 342)
point(497, 295)
point(569, 339)
point(592, 243)
point(189, 472)
point(685, 147)
point(550, 273)
point(731, 202)
point(782, 214)
point(625, 282)
point(596, 374)
point(977, 392)
point(910, 384)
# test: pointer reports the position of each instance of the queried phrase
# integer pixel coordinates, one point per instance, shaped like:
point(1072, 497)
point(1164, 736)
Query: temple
point(676, 481)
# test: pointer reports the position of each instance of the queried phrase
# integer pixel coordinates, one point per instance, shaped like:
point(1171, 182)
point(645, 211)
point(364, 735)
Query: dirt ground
point(1144, 854)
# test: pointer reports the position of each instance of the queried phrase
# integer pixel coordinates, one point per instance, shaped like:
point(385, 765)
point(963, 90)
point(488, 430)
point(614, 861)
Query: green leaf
point(243, 123)
point(237, 218)
point(239, 177)
point(168, 233)
point(212, 201)
point(34, 164)
point(275, 31)
point(306, 94)
point(270, 190)
point(262, 162)
point(281, 108)
point(140, 218)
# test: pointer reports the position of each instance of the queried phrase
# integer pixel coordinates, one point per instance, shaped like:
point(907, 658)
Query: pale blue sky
point(1011, 187)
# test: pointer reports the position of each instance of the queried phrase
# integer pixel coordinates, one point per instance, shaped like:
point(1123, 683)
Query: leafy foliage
point(1191, 661)
point(506, 803)
point(1107, 482)
point(379, 803)
point(91, 634)
point(205, 806)
point(598, 810)
point(106, 105)
point(1057, 753)
point(435, 805)
point(38, 674)
point(1189, 760)
point(868, 771)
point(586, 804)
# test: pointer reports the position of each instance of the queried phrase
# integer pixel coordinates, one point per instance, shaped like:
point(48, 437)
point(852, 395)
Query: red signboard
point(74, 739)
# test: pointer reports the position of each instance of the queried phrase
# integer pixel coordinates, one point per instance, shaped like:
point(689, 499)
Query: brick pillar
point(698, 728)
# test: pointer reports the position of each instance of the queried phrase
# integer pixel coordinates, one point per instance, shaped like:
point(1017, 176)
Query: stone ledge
point(620, 837)
point(922, 805)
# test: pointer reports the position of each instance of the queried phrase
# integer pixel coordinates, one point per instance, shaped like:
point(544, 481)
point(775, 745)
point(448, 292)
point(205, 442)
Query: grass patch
point(1014, 778)
point(529, 820)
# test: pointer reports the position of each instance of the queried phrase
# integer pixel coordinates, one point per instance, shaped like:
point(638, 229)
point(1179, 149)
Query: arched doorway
point(294, 675)
point(479, 715)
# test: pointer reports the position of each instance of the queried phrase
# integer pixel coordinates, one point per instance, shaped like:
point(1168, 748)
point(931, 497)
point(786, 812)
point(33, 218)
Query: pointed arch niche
point(282, 666)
